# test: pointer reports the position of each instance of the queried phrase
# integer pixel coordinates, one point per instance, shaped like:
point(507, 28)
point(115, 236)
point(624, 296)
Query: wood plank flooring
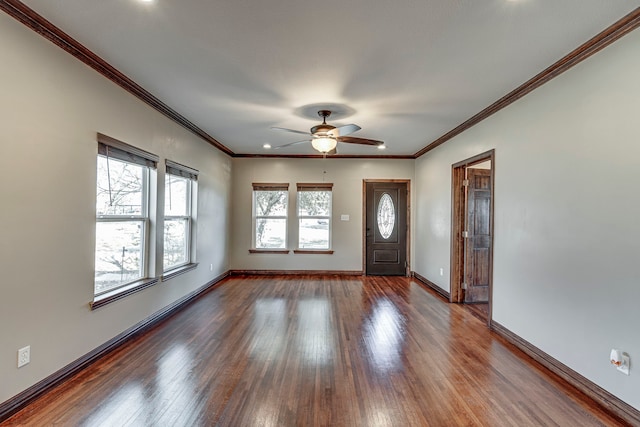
point(316, 351)
point(481, 311)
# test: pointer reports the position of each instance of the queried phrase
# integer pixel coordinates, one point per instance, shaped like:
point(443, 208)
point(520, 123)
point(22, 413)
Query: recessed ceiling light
point(267, 146)
point(382, 147)
point(146, 1)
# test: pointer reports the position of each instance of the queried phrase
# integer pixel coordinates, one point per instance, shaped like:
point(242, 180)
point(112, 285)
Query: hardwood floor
point(316, 351)
point(481, 311)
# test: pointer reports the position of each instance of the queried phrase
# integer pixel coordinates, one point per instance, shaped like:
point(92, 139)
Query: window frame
point(191, 175)
point(324, 186)
point(111, 148)
point(254, 217)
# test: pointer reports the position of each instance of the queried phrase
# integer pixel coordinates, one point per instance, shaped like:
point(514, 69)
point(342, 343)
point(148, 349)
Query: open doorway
point(472, 233)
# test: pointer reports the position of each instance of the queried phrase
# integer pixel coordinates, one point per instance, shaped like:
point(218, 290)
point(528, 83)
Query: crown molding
point(620, 28)
point(46, 29)
point(320, 156)
point(49, 31)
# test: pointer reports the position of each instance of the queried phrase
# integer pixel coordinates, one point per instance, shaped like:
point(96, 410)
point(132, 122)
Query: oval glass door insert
point(386, 216)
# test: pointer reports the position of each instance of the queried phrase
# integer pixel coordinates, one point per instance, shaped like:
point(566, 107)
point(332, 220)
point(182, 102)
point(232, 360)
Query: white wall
point(51, 107)
point(566, 214)
point(566, 209)
point(345, 174)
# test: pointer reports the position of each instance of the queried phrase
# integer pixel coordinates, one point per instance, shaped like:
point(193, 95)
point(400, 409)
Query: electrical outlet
point(620, 360)
point(210, 267)
point(24, 356)
point(442, 271)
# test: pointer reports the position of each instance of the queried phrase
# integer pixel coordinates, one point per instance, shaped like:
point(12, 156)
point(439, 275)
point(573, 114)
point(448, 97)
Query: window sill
point(116, 294)
point(269, 251)
point(178, 271)
point(313, 251)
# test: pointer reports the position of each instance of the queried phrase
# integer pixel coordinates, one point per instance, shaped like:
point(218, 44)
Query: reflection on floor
point(315, 351)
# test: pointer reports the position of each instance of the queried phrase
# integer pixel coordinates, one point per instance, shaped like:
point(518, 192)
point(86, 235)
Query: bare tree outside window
point(120, 188)
point(121, 193)
point(314, 203)
point(177, 221)
point(270, 209)
point(314, 218)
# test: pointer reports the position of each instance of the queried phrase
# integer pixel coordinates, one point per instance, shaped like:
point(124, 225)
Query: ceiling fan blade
point(344, 130)
point(332, 152)
point(290, 130)
point(291, 143)
point(363, 141)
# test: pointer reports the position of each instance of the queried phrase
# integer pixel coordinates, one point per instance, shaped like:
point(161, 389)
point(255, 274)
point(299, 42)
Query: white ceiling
point(410, 70)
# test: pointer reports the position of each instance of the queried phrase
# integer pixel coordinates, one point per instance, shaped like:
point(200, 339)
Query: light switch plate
point(344, 217)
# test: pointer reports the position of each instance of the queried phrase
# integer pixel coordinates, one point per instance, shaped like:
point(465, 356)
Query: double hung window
point(314, 216)
point(122, 214)
point(179, 194)
point(270, 205)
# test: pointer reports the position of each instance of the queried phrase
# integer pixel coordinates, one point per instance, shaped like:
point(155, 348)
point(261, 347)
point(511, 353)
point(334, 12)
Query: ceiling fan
point(325, 138)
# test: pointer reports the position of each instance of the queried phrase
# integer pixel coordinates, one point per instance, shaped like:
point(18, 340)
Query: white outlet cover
point(344, 217)
point(24, 356)
point(626, 361)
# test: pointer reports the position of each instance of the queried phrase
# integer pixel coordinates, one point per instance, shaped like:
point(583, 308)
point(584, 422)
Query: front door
point(478, 238)
point(386, 228)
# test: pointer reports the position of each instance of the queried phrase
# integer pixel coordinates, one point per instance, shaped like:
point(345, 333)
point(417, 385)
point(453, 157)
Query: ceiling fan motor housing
point(321, 130)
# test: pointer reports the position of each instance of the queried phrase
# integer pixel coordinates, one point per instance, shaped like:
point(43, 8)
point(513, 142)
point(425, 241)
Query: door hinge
point(465, 183)
point(465, 234)
point(464, 285)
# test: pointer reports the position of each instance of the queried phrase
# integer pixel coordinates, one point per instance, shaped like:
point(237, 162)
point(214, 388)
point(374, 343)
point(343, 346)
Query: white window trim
point(302, 187)
point(255, 218)
point(130, 154)
point(176, 169)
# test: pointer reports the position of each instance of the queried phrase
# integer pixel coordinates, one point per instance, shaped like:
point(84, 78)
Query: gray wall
point(566, 206)
point(566, 214)
point(51, 107)
point(345, 174)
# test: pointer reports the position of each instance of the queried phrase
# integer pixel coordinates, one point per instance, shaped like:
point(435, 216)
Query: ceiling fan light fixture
point(325, 137)
point(324, 144)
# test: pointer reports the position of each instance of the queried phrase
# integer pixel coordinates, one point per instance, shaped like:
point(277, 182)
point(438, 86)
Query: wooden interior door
point(478, 236)
point(386, 228)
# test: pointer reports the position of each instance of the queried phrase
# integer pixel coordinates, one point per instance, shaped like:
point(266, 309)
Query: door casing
point(458, 221)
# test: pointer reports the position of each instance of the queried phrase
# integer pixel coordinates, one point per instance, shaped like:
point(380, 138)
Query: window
point(122, 214)
point(270, 204)
point(179, 193)
point(314, 216)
